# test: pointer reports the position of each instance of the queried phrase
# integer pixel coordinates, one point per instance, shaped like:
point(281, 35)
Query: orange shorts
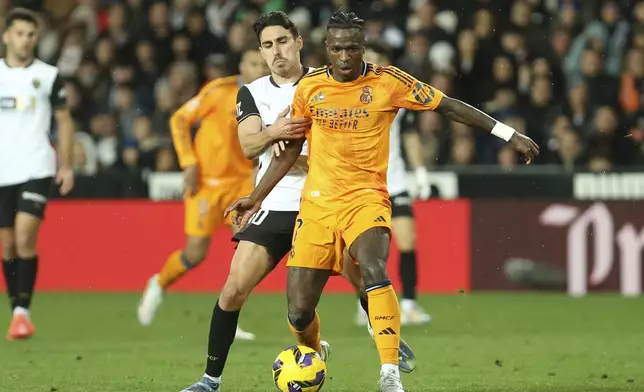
point(321, 235)
point(204, 212)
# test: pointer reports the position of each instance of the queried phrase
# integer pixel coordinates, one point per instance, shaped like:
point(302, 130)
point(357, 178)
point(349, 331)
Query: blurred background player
point(30, 92)
point(215, 170)
point(403, 134)
point(345, 203)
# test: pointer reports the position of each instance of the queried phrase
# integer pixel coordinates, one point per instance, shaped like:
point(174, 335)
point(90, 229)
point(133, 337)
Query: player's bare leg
point(250, 265)
point(303, 290)
point(406, 356)
point(371, 249)
point(404, 229)
point(177, 265)
point(25, 234)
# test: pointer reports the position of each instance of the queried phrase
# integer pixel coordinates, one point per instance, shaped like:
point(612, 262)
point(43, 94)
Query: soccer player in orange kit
point(216, 173)
point(345, 203)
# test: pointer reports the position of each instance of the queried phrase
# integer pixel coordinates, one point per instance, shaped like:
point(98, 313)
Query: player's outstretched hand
point(65, 178)
point(524, 145)
point(288, 128)
point(191, 180)
point(244, 209)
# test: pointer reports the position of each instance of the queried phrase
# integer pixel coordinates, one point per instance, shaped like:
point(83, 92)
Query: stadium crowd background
point(569, 73)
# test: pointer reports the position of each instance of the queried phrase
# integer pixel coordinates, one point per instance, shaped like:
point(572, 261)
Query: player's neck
point(294, 74)
point(13, 62)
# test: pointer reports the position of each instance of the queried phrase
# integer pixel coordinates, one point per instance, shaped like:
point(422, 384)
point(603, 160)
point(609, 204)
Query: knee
point(406, 243)
point(300, 311)
point(194, 255)
point(233, 296)
point(8, 246)
point(300, 318)
point(25, 244)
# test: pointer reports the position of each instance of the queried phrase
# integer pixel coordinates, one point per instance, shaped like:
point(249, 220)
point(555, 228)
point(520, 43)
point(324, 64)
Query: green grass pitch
point(476, 343)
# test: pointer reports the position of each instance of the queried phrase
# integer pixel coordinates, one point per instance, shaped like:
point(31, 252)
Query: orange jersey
point(215, 149)
point(349, 137)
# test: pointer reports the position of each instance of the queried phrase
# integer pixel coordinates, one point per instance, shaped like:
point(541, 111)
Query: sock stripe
point(378, 285)
point(185, 261)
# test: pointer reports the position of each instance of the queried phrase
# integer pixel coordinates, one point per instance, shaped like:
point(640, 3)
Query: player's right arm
point(410, 93)
point(253, 138)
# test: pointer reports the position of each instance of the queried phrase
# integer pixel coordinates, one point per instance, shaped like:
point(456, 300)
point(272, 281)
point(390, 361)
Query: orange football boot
point(21, 328)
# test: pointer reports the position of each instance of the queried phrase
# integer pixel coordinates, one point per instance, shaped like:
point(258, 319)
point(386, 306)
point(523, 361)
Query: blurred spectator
point(608, 34)
point(632, 83)
point(85, 158)
point(569, 73)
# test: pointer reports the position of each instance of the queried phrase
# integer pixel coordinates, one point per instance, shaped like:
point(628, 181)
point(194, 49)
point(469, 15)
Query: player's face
point(252, 66)
point(345, 49)
point(21, 38)
point(279, 49)
point(372, 57)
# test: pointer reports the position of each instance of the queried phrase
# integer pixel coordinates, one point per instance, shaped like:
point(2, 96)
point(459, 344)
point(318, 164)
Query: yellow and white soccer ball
point(299, 369)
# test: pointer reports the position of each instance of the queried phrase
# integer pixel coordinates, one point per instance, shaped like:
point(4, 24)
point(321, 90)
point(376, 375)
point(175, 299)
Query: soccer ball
point(299, 369)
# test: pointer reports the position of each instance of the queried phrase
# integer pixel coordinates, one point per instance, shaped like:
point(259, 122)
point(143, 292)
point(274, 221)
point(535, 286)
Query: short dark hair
point(380, 47)
point(274, 18)
point(345, 20)
point(21, 14)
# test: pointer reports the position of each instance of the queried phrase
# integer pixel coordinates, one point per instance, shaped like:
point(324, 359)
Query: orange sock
point(173, 269)
point(384, 314)
point(310, 336)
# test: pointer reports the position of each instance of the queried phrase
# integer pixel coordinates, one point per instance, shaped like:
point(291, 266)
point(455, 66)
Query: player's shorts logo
point(423, 93)
point(366, 96)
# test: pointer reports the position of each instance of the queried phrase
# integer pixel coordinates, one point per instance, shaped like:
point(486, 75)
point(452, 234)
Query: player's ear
point(300, 42)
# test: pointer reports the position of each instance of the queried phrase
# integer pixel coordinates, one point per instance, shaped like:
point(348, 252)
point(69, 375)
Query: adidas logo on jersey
point(319, 97)
point(380, 219)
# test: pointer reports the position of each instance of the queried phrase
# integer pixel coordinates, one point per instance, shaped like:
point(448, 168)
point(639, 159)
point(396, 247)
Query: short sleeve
point(298, 108)
point(246, 106)
point(409, 93)
point(58, 96)
point(200, 105)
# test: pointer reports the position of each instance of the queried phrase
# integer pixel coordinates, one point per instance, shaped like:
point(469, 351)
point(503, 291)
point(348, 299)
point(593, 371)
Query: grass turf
point(476, 343)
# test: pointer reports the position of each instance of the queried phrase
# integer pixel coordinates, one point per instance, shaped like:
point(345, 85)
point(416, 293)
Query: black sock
point(223, 327)
point(10, 280)
point(27, 270)
point(364, 303)
point(408, 274)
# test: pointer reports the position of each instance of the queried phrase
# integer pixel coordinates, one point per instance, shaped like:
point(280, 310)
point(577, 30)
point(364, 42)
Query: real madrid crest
point(36, 83)
point(366, 96)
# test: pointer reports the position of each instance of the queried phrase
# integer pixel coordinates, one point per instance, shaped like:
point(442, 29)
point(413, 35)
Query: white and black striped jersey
point(266, 99)
point(28, 96)
point(405, 121)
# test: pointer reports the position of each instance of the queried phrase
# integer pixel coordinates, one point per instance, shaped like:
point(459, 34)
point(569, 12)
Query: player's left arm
point(414, 151)
point(280, 165)
point(66, 130)
point(410, 93)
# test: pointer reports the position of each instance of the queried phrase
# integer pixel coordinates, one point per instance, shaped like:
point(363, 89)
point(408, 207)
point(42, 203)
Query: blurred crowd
point(569, 73)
